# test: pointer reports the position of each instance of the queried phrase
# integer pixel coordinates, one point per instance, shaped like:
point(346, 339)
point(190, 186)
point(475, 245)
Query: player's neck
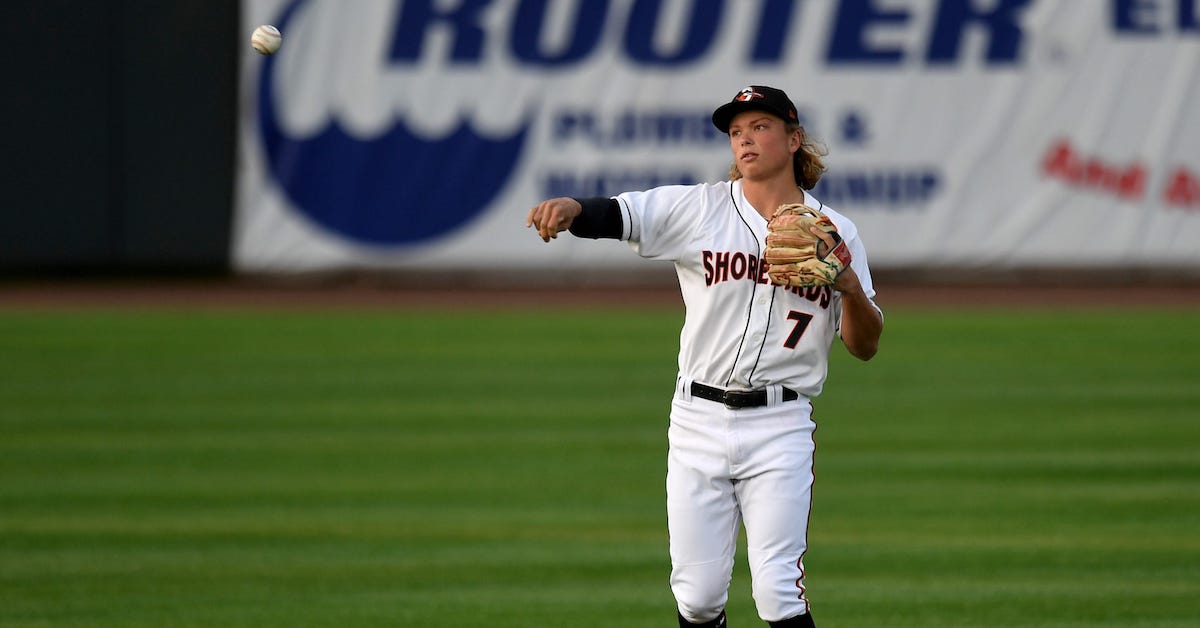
point(767, 195)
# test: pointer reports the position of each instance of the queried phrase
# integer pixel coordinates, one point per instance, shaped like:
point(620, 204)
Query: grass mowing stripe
point(258, 468)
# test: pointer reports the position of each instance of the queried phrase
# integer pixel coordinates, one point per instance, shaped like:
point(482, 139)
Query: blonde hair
point(807, 162)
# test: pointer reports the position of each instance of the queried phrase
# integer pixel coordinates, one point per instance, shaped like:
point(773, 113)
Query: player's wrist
point(848, 283)
point(597, 218)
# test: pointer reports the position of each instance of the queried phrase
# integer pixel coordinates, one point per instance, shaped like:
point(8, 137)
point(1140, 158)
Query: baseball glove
point(796, 256)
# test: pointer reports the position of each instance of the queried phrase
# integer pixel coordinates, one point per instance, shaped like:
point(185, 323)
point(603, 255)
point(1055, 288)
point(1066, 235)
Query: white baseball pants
point(729, 467)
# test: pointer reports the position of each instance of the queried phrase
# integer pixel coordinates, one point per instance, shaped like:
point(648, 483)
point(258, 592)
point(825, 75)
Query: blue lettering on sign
point(1149, 17)
point(893, 188)
point(1000, 22)
point(854, 130)
point(418, 15)
point(611, 182)
point(643, 24)
point(667, 128)
point(529, 22)
point(1135, 16)
point(849, 43)
point(629, 128)
point(773, 26)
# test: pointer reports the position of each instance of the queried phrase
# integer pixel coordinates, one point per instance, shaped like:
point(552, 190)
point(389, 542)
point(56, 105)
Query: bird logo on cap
point(747, 95)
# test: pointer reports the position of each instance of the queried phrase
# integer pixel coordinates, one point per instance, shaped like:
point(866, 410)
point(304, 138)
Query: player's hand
point(823, 237)
point(847, 281)
point(552, 216)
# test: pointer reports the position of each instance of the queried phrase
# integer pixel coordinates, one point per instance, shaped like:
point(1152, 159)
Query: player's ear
point(796, 140)
point(795, 137)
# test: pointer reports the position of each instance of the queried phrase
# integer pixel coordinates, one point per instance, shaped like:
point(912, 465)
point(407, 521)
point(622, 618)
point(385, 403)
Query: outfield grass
point(505, 468)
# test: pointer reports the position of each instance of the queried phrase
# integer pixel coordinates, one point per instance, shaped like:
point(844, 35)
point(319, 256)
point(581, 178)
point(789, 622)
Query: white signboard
point(416, 134)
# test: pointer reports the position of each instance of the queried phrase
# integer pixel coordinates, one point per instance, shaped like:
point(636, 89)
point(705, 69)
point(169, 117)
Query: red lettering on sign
point(1183, 189)
point(1065, 163)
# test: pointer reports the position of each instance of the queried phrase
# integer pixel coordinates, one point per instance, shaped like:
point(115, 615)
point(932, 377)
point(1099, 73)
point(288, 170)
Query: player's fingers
point(537, 219)
point(556, 220)
point(551, 217)
point(548, 224)
point(825, 237)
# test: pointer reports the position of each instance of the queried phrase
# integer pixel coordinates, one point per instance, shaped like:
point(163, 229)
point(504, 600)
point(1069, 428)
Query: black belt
point(738, 398)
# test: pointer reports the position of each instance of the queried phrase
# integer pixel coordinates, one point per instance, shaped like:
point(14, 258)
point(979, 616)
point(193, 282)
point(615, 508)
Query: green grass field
point(505, 468)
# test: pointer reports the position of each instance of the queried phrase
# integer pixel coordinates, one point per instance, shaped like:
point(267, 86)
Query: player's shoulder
point(719, 189)
point(670, 195)
point(844, 224)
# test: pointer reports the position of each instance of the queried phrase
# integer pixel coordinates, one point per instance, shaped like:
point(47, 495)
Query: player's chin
point(748, 168)
point(758, 169)
point(755, 174)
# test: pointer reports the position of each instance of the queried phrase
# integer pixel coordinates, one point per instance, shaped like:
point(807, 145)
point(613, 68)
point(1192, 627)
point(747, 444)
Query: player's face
point(761, 144)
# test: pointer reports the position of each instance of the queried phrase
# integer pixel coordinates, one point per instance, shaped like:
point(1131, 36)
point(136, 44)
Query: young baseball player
point(752, 353)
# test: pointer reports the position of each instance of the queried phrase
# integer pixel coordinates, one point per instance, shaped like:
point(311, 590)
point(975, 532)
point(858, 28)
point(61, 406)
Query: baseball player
point(752, 353)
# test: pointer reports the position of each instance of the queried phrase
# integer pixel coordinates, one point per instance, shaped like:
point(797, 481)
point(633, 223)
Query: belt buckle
point(736, 399)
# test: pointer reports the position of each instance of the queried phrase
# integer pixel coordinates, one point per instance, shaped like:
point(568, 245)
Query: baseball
point(266, 39)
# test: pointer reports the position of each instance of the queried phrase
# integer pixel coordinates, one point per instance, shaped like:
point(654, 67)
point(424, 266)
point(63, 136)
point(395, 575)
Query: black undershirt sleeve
point(601, 218)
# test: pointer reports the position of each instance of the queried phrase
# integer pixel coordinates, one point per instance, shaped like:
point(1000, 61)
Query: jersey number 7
point(802, 321)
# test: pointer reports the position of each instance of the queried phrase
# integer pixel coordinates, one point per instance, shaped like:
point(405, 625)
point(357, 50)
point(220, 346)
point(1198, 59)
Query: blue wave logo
point(395, 189)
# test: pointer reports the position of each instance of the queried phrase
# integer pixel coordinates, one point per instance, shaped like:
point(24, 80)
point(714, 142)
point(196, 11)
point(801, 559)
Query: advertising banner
point(417, 134)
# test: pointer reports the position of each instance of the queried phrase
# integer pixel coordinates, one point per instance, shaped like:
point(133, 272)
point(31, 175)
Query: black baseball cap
point(756, 98)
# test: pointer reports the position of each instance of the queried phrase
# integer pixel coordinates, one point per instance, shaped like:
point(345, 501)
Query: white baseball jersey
point(740, 332)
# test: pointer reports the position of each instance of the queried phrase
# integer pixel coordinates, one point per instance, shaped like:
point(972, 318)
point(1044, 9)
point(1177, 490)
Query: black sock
point(799, 621)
